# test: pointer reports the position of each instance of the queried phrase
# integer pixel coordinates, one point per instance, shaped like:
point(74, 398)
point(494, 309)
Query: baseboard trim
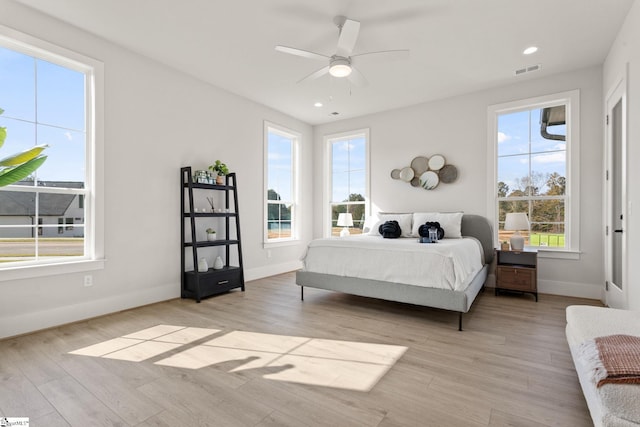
point(271, 270)
point(36, 321)
point(570, 289)
point(566, 289)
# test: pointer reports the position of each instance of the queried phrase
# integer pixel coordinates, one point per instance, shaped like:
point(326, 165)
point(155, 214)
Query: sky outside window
point(44, 104)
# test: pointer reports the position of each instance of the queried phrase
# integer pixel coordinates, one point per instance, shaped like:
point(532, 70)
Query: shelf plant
point(211, 234)
point(221, 169)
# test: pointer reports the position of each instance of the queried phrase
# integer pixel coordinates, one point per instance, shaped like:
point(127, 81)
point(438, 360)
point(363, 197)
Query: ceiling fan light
point(340, 68)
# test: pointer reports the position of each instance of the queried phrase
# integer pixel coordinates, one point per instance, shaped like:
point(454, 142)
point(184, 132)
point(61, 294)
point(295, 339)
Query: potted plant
point(220, 169)
point(211, 234)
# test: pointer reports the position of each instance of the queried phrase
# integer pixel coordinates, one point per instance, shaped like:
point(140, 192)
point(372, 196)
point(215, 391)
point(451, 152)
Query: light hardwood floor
point(510, 366)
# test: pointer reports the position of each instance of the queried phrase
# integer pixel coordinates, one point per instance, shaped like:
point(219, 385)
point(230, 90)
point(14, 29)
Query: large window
point(347, 185)
point(281, 148)
point(47, 94)
point(534, 150)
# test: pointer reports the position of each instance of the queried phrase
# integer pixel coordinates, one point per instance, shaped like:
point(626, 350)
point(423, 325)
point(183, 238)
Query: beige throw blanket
point(612, 359)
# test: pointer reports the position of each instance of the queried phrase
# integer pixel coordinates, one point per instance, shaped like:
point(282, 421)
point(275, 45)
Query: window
point(534, 158)
point(281, 209)
point(347, 185)
point(48, 97)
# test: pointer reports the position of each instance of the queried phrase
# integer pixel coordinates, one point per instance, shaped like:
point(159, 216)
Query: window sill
point(281, 243)
point(42, 270)
point(559, 254)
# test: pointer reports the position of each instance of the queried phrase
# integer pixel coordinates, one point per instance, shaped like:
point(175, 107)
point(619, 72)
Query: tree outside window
point(531, 173)
point(348, 179)
point(281, 147)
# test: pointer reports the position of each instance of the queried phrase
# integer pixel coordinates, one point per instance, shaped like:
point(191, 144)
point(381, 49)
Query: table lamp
point(515, 222)
point(345, 220)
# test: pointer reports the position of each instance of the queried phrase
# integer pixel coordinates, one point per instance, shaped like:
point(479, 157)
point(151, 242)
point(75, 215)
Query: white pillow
point(404, 221)
point(369, 222)
point(451, 223)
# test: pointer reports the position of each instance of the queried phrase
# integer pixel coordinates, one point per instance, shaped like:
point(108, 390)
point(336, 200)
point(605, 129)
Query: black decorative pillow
point(390, 230)
point(424, 229)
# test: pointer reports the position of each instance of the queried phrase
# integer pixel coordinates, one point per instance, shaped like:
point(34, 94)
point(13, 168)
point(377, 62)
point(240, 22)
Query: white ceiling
point(457, 46)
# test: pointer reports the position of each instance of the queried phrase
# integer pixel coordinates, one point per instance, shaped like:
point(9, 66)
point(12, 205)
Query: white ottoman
point(612, 404)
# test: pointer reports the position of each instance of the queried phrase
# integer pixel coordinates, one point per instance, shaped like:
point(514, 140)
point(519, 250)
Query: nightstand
point(517, 271)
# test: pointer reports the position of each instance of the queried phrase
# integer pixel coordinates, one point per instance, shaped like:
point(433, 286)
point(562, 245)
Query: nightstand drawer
point(517, 271)
point(520, 279)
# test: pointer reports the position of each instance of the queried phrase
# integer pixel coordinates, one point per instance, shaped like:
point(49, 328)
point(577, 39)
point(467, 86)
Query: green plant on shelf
point(219, 168)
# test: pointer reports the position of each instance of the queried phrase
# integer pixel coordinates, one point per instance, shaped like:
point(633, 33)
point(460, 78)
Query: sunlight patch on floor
point(147, 343)
point(321, 362)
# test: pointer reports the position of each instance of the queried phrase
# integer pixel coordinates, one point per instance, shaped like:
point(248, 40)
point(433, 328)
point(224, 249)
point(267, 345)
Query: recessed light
point(318, 104)
point(530, 50)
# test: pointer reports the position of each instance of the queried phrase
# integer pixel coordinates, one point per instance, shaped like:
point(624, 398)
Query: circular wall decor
point(426, 172)
point(429, 180)
point(406, 174)
point(420, 165)
point(448, 174)
point(436, 162)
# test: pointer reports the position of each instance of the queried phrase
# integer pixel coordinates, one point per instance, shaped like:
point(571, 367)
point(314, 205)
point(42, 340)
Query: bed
point(454, 287)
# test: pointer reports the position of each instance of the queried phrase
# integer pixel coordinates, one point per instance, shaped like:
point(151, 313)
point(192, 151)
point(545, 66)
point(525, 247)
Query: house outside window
point(347, 180)
point(534, 148)
point(48, 97)
point(281, 198)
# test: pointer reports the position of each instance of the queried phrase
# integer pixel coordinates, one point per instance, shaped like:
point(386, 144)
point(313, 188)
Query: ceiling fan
point(341, 62)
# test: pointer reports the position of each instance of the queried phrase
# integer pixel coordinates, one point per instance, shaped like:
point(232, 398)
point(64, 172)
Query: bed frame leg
point(460, 321)
point(302, 293)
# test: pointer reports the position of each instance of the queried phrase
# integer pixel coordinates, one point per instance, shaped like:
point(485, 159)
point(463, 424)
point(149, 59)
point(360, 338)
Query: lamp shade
point(345, 220)
point(516, 221)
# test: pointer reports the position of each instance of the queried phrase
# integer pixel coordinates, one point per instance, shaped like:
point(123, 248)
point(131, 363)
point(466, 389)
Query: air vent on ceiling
point(529, 69)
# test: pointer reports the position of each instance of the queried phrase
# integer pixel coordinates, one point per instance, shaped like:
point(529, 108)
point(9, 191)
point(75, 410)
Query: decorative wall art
point(427, 172)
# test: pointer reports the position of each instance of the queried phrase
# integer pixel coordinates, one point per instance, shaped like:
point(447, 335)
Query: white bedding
point(448, 264)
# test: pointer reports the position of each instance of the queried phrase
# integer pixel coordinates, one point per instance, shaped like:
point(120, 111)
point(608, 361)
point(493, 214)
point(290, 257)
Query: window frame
point(296, 138)
point(571, 99)
point(93, 258)
point(328, 175)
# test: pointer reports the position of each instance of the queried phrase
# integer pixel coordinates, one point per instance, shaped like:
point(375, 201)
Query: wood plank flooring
point(509, 367)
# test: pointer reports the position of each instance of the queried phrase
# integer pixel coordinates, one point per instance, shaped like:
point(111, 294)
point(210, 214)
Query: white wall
point(625, 54)
point(156, 120)
point(457, 128)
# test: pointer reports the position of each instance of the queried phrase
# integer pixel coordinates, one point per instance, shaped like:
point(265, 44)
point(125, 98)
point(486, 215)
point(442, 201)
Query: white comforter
point(448, 264)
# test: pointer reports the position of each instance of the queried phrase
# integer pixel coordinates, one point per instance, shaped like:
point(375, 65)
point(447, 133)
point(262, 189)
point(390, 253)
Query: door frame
point(613, 295)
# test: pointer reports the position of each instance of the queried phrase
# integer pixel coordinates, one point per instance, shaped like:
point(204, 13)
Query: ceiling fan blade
point(357, 78)
point(300, 52)
point(389, 55)
point(319, 73)
point(348, 38)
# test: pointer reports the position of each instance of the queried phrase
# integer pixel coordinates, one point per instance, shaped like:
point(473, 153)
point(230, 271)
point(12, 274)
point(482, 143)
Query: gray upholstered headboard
point(479, 227)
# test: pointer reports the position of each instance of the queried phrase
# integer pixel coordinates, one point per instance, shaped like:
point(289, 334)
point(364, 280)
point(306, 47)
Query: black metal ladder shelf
point(196, 284)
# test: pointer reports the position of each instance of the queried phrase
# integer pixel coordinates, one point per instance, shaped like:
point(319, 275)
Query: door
point(615, 192)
